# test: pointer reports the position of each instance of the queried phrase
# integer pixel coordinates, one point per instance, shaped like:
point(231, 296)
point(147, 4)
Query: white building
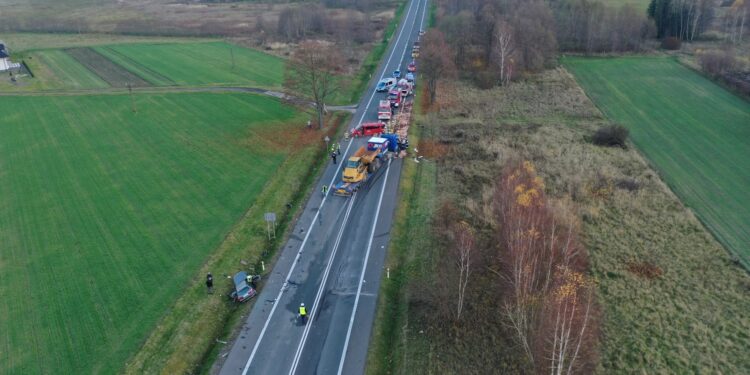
point(5, 63)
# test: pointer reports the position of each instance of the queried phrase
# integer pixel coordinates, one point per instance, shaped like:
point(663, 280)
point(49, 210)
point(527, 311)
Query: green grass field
point(197, 64)
point(106, 214)
point(69, 71)
point(696, 134)
point(20, 42)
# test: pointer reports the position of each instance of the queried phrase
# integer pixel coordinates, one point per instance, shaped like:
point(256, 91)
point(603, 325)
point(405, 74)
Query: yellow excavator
point(362, 164)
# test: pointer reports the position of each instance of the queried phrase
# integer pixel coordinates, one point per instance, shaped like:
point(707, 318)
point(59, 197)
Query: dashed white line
point(367, 254)
point(362, 275)
point(314, 307)
point(315, 218)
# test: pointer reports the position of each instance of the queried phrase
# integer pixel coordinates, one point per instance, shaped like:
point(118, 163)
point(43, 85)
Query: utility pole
point(132, 100)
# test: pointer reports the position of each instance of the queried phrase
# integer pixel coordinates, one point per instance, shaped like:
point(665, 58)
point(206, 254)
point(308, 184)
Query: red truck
point(369, 128)
point(384, 110)
point(394, 96)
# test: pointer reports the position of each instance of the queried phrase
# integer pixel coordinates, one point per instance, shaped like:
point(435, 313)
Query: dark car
point(242, 290)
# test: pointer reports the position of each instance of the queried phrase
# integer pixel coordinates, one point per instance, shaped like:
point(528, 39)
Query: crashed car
point(242, 290)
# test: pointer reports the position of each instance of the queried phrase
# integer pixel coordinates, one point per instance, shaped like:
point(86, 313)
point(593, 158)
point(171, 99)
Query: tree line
point(494, 41)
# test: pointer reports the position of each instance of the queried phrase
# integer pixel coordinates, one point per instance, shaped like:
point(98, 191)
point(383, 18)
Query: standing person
point(333, 156)
point(210, 283)
point(338, 148)
point(303, 313)
point(325, 190)
point(309, 124)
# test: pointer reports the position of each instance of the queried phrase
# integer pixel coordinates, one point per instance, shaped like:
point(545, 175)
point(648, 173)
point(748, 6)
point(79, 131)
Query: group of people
point(335, 151)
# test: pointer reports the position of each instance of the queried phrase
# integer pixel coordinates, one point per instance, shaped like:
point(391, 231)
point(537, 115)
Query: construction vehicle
point(364, 163)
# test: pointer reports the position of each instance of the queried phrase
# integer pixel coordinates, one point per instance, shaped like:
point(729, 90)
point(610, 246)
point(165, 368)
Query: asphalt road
point(333, 261)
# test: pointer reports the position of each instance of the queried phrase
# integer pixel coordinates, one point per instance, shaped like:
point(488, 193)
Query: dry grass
point(673, 300)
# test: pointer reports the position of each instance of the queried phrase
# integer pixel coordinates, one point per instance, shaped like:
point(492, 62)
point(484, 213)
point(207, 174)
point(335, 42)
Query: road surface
point(333, 261)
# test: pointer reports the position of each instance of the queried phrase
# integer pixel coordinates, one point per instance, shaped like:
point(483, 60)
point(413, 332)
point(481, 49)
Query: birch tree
point(504, 48)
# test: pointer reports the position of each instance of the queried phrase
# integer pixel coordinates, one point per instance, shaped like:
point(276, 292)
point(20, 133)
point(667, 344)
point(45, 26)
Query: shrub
point(671, 43)
point(485, 79)
point(611, 135)
point(717, 63)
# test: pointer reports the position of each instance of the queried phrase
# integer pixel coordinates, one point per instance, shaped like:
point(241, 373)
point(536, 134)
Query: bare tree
point(311, 74)
point(569, 311)
point(536, 246)
point(436, 62)
point(537, 45)
point(463, 248)
point(504, 48)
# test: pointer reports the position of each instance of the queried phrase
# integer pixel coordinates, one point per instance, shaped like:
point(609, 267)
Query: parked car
point(397, 74)
point(421, 32)
point(412, 67)
point(385, 84)
point(242, 290)
point(410, 77)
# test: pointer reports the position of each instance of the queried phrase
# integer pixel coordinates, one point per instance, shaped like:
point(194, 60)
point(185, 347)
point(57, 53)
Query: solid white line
point(291, 269)
point(315, 218)
point(364, 268)
point(367, 256)
point(319, 294)
point(385, 67)
point(421, 23)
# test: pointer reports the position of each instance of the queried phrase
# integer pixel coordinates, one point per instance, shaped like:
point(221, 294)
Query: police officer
point(302, 312)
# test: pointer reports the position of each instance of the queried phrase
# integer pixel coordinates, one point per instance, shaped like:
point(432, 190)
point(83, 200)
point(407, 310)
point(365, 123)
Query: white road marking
point(314, 307)
point(367, 254)
point(309, 229)
point(364, 268)
point(291, 269)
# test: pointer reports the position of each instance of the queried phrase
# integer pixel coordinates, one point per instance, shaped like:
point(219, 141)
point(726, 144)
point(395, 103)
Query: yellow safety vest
point(302, 311)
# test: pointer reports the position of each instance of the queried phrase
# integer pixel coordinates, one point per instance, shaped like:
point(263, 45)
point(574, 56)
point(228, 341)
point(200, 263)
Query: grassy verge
point(411, 240)
point(185, 337)
point(358, 83)
point(673, 301)
point(235, 319)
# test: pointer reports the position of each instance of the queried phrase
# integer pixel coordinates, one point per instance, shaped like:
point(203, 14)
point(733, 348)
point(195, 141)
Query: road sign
point(270, 218)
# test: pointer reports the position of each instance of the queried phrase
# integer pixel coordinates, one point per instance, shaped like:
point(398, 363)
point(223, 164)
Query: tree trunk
point(319, 109)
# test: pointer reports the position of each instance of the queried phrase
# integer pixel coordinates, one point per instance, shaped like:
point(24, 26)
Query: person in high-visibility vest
point(302, 312)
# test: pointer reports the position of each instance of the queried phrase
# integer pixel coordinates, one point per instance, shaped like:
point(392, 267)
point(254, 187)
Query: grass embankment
point(673, 301)
point(356, 85)
point(184, 341)
point(411, 235)
point(692, 130)
point(107, 214)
